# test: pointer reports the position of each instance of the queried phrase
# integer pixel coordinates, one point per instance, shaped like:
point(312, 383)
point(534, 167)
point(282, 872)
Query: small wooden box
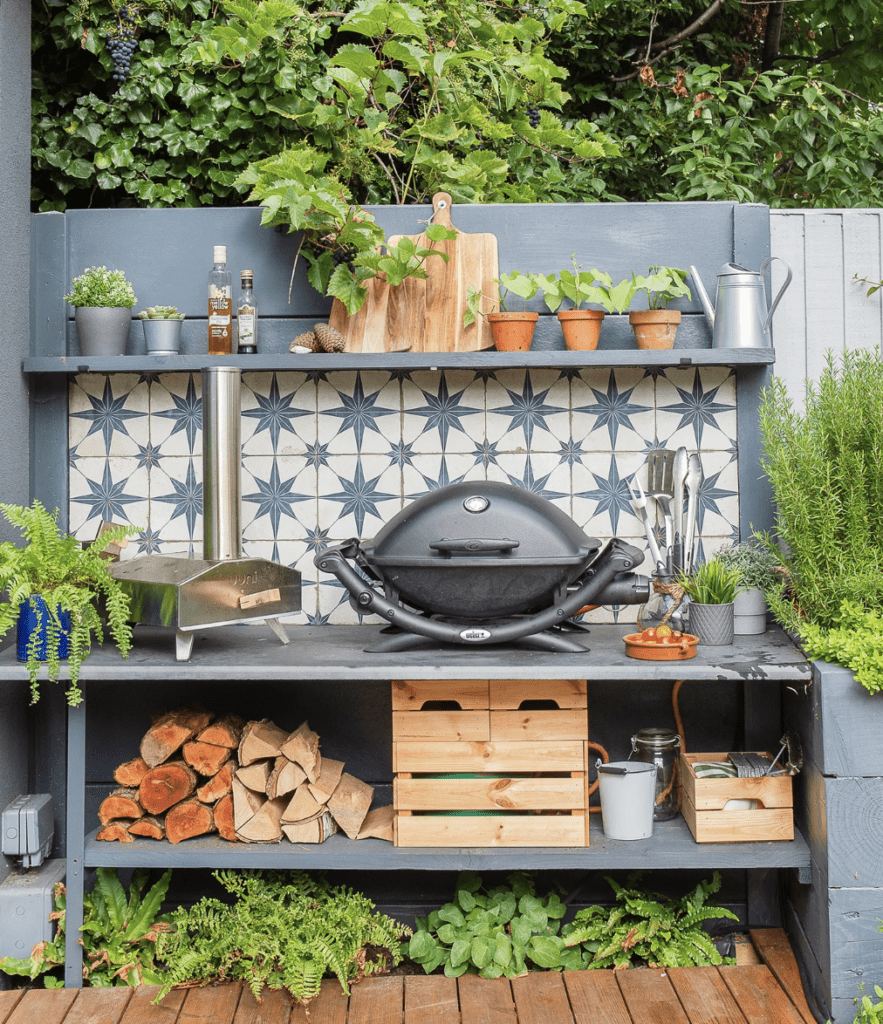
point(523, 768)
point(703, 804)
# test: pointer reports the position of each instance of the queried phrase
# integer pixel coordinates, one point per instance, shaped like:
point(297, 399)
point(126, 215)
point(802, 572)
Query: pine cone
point(306, 340)
point(330, 339)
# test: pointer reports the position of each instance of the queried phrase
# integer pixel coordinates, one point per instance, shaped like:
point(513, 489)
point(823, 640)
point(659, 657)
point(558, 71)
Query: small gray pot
point(749, 612)
point(712, 623)
point(103, 330)
point(163, 337)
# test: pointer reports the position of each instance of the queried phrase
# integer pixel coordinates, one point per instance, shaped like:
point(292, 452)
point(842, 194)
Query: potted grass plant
point(656, 327)
point(761, 574)
point(712, 589)
point(512, 329)
point(103, 301)
point(53, 585)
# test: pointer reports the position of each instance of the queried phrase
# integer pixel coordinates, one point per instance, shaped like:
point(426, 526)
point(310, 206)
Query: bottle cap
point(220, 254)
point(246, 273)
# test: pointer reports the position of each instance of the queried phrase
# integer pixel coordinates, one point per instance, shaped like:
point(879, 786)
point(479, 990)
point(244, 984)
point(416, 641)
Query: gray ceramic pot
point(163, 337)
point(103, 330)
point(749, 612)
point(712, 623)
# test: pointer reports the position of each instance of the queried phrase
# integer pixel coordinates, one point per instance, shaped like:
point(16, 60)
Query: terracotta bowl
point(649, 650)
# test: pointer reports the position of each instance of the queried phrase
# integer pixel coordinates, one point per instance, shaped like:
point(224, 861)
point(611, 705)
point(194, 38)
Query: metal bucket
point(628, 792)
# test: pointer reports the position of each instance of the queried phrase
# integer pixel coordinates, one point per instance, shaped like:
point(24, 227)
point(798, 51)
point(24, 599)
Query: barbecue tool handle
point(469, 545)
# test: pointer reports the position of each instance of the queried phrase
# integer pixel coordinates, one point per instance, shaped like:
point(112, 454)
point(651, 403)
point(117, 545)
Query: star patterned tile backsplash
point(333, 455)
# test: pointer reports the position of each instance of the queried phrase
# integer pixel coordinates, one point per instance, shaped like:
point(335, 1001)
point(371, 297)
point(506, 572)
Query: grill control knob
point(476, 503)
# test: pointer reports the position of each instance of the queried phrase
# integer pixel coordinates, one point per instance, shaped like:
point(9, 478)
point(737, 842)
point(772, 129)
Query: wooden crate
point(703, 805)
point(527, 767)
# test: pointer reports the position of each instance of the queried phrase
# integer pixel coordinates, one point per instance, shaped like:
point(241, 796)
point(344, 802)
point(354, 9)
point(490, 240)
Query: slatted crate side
point(490, 794)
point(713, 794)
point(567, 724)
point(510, 694)
point(441, 725)
point(430, 756)
point(503, 831)
point(412, 694)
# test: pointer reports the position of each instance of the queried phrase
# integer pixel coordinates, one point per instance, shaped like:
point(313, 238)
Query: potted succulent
point(580, 325)
point(712, 588)
point(103, 300)
point(52, 585)
point(512, 329)
point(162, 329)
point(761, 573)
point(656, 327)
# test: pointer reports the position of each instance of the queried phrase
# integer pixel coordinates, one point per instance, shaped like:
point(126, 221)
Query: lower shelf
point(671, 846)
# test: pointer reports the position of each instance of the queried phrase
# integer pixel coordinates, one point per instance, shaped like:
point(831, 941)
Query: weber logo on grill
point(474, 634)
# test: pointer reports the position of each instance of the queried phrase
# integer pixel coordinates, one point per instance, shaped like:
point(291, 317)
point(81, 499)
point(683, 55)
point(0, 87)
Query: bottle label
point(220, 322)
point(246, 328)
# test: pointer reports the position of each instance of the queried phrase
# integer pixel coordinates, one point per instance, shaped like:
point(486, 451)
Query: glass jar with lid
point(660, 747)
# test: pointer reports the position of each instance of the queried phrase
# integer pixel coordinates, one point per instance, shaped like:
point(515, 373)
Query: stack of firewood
point(250, 782)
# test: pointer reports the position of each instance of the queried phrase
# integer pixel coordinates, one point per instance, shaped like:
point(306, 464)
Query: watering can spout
point(704, 300)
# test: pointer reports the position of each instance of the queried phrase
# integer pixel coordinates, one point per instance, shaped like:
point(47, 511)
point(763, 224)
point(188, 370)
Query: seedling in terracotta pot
point(662, 285)
point(656, 327)
point(512, 330)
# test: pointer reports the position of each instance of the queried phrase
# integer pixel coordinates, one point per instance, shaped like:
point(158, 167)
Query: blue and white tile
point(278, 413)
point(429, 472)
point(176, 501)
point(602, 501)
point(114, 489)
point(334, 608)
point(613, 410)
point(443, 411)
point(108, 415)
point(295, 555)
point(176, 414)
point(696, 408)
point(528, 410)
point(359, 412)
point(358, 494)
point(717, 511)
point(278, 497)
point(541, 473)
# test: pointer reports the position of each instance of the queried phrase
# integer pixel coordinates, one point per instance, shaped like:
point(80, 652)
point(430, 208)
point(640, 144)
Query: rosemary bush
point(712, 582)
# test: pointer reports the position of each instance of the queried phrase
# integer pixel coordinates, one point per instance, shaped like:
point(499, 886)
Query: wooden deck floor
point(764, 993)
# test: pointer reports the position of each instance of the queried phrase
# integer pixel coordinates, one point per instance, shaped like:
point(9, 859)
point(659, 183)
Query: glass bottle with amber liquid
point(220, 306)
point(247, 315)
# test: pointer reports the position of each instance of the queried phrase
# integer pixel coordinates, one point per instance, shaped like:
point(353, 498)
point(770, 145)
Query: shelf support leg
point(76, 843)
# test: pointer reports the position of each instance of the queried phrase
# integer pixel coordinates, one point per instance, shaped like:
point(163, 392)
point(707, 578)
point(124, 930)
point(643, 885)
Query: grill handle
point(469, 545)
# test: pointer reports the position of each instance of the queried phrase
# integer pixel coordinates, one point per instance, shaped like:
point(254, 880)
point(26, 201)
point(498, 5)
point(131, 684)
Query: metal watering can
point(739, 317)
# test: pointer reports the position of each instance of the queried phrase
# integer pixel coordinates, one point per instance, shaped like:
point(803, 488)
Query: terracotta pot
point(655, 328)
point(581, 327)
point(513, 332)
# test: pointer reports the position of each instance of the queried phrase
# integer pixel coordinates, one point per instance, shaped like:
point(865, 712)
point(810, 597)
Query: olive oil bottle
point(220, 306)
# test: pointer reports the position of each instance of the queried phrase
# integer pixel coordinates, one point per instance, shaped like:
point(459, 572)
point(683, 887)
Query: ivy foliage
point(119, 934)
point(283, 930)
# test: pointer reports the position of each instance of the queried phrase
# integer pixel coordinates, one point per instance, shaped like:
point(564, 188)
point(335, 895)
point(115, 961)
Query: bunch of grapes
point(122, 45)
point(533, 116)
point(346, 254)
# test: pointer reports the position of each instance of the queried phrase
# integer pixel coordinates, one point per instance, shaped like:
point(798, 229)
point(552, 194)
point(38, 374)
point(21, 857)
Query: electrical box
point(26, 901)
point(28, 828)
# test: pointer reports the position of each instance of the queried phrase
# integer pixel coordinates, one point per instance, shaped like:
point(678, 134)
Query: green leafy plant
point(646, 928)
point(525, 286)
point(160, 313)
point(870, 1011)
point(69, 578)
point(758, 565)
point(875, 285)
point(98, 286)
point(712, 582)
point(662, 284)
point(577, 286)
point(502, 931)
point(283, 930)
point(854, 639)
point(119, 934)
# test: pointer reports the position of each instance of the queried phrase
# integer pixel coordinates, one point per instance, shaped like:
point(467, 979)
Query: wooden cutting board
point(427, 315)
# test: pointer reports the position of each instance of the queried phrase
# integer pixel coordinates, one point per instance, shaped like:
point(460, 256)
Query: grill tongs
point(608, 579)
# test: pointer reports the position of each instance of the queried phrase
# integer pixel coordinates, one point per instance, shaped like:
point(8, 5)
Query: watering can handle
point(763, 266)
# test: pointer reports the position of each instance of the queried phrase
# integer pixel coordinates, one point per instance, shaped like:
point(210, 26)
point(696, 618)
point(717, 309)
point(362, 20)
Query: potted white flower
point(103, 300)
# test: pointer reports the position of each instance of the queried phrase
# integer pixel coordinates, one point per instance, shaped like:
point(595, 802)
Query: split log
point(260, 740)
point(165, 736)
point(131, 773)
point(316, 830)
point(122, 803)
point(285, 777)
point(255, 776)
point(378, 824)
point(166, 785)
point(187, 819)
point(150, 828)
point(116, 832)
point(226, 732)
point(194, 715)
point(264, 826)
point(205, 758)
point(223, 812)
point(301, 807)
point(246, 804)
point(218, 786)
point(349, 804)
point(327, 782)
point(302, 746)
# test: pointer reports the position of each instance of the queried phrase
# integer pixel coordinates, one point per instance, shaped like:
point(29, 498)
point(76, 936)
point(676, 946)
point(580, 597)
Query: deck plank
point(214, 1004)
point(8, 1001)
point(431, 999)
point(328, 1007)
point(775, 950)
point(377, 1000)
point(142, 1011)
point(541, 998)
point(759, 995)
point(650, 997)
point(595, 998)
point(485, 1000)
point(46, 1005)
point(99, 1006)
point(705, 996)
point(274, 1007)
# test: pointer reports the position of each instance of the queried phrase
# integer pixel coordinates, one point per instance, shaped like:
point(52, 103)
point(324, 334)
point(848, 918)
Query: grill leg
point(276, 626)
point(183, 644)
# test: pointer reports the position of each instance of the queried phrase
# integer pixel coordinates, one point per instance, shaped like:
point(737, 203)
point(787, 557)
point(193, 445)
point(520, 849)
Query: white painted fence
point(825, 308)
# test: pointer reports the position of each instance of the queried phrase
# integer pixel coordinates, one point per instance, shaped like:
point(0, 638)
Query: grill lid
point(480, 522)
